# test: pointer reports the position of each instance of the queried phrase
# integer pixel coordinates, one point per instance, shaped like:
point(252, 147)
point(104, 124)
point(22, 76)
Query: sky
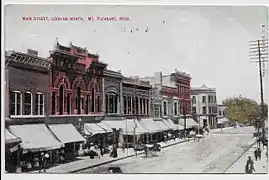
point(211, 43)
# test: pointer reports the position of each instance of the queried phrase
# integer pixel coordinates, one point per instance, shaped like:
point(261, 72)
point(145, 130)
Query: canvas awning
point(170, 124)
point(35, 137)
point(10, 138)
point(190, 123)
point(162, 125)
point(222, 120)
point(105, 127)
point(66, 133)
point(127, 126)
point(92, 129)
point(150, 125)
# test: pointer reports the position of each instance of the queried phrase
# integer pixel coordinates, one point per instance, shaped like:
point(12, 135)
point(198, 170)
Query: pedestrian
point(41, 162)
point(256, 154)
point(259, 154)
point(249, 168)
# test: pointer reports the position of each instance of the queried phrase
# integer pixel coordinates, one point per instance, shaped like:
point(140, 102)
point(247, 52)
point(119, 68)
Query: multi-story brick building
point(27, 87)
point(204, 105)
point(171, 95)
point(76, 84)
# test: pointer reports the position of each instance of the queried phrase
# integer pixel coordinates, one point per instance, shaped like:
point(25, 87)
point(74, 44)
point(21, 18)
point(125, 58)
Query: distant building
point(170, 95)
point(204, 105)
point(221, 110)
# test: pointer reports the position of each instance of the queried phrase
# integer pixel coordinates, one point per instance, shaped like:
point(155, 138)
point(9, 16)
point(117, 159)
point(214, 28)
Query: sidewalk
point(261, 166)
point(86, 162)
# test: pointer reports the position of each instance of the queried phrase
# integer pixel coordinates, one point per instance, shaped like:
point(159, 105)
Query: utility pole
point(261, 56)
point(184, 114)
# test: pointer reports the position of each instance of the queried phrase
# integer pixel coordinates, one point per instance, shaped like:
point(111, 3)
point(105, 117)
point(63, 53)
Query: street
point(213, 154)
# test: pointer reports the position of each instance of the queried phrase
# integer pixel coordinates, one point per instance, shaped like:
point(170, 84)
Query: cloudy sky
point(210, 43)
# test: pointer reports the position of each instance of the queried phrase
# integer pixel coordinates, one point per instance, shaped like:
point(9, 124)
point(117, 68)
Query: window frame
point(16, 103)
point(175, 102)
point(31, 104)
point(39, 104)
point(163, 109)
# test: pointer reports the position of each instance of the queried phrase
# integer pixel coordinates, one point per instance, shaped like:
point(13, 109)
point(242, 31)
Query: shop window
point(28, 101)
point(15, 103)
point(39, 104)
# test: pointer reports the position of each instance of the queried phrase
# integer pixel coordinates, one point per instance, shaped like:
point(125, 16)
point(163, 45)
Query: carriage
point(152, 150)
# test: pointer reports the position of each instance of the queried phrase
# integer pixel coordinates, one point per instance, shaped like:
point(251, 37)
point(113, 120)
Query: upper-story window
point(15, 103)
point(204, 99)
point(204, 110)
point(219, 113)
point(193, 99)
point(194, 110)
point(111, 103)
point(175, 108)
point(209, 99)
point(28, 102)
point(165, 108)
point(39, 104)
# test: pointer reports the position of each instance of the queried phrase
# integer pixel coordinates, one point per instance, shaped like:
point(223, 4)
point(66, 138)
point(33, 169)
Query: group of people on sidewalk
point(249, 168)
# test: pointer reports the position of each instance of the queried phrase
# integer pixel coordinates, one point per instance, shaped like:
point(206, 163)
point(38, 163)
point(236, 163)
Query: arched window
point(93, 100)
point(78, 100)
point(61, 100)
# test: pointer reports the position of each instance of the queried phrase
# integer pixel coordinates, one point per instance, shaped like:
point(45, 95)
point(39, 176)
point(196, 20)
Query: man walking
point(249, 168)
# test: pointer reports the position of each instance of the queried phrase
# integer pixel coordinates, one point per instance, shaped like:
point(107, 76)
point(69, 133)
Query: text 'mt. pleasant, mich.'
point(74, 18)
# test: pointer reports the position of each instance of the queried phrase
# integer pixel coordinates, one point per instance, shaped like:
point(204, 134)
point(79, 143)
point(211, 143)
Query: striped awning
point(105, 127)
point(190, 123)
point(170, 124)
point(150, 125)
point(162, 125)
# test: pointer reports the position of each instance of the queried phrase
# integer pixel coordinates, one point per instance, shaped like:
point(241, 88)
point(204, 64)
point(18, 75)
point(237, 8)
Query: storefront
point(70, 137)
point(36, 139)
point(12, 151)
point(153, 128)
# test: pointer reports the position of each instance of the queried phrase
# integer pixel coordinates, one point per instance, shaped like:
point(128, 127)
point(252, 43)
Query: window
point(87, 104)
point(209, 99)
point(147, 107)
point(15, 103)
point(129, 105)
point(136, 105)
point(209, 110)
point(133, 106)
point(204, 99)
point(28, 103)
point(193, 99)
point(125, 104)
point(175, 108)
point(99, 103)
point(61, 100)
point(165, 108)
point(92, 101)
point(68, 103)
point(53, 103)
point(39, 104)
point(215, 99)
point(141, 106)
point(112, 103)
point(204, 110)
point(144, 106)
point(194, 110)
point(219, 113)
point(156, 110)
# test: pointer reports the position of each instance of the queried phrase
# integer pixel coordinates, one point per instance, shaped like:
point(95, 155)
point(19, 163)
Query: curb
point(244, 152)
point(114, 160)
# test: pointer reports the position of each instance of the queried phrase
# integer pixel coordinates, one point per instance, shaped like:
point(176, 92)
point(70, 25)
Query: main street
point(213, 154)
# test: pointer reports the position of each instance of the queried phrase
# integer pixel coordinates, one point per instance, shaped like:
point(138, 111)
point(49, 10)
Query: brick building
point(76, 85)
point(27, 87)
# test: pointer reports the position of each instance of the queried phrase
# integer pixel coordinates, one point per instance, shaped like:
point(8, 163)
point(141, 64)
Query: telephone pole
point(259, 53)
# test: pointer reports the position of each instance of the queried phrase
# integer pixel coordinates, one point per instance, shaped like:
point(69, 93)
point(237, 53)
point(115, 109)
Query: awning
point(150, 125)
point(162, 125)
point(92, 129)
point(35, 137)
point(66, 133)
point(128, 126)
point(10, 138)
point(222, 120)
point(190, 123)
point(170, 124)
point(105, 127)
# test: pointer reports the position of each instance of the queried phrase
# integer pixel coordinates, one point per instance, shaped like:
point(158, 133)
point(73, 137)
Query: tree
point(265, 110)
point(242, 110)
